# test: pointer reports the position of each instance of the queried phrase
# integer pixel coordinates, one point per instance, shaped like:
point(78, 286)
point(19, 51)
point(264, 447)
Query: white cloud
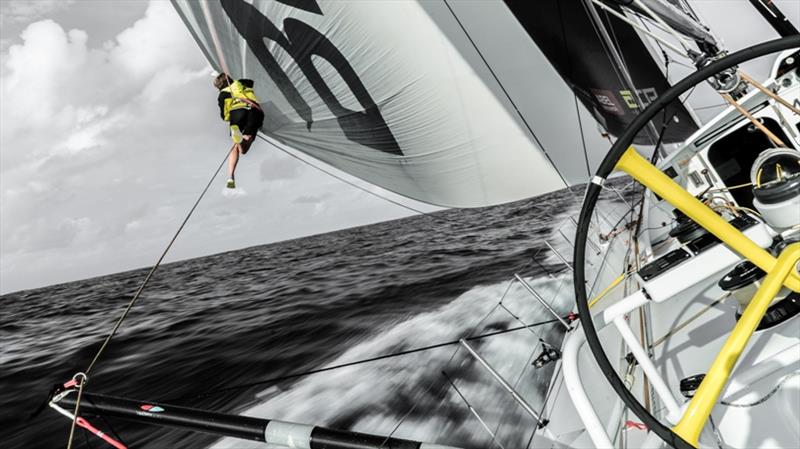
point(75, 119)
point(280, 168)
point(104, 148)
point(233, 193)
point(153, 42)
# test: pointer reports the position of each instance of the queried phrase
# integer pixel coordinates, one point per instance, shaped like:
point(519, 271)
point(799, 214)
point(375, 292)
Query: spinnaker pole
point(270, 431)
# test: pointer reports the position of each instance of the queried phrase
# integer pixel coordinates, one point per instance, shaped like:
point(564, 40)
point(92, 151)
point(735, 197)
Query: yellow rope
point(769, 93)
point(725, 189)
point(606, 290)
point(770, 135)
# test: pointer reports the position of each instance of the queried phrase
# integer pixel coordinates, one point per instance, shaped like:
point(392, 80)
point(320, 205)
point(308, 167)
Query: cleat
point(231, 184)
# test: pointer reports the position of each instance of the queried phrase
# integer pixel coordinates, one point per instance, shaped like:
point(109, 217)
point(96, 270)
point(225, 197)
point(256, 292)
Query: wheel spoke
point(654, 179)
point(696, 415)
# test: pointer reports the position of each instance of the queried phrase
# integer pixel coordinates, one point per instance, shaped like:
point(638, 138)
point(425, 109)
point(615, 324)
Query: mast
point(681, 21)
point(770, 12)
point(622, 69)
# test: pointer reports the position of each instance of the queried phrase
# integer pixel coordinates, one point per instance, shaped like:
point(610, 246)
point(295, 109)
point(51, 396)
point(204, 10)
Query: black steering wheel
point(590, 201)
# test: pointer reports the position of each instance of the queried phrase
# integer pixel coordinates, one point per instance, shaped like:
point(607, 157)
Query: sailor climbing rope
point(238, 105)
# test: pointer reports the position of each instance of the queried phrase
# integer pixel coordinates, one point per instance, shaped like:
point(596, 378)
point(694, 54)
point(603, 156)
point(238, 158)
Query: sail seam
point(352, 184)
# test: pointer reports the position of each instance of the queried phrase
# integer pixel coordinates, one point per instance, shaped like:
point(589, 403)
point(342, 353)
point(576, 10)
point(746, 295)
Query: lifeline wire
point(510, 100)
point(475, 327)
point(446, 364)
point(357, 362)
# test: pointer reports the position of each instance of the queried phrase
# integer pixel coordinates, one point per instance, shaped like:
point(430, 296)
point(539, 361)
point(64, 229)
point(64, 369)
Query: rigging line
point(688, 321)
point(667, 59)
point(550, 390)
point(583, 139)
point(766, 397)
point(431, 384)
point(138, 293)
point(574, 95)
point(611, 242)
point(713, 106)
point(608, 37)
point(639, 27)
point(75, 416)
point(356, 362)
point(508, 96)
point(155, 267)
point(661, 21)
point(362, 188)
point(523, 323)
point(472, 410)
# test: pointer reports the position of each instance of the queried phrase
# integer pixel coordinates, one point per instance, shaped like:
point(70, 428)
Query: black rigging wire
point(432, 383)
point(505, 92)
point(574, 95)
point(353, 363)
point(452, 356)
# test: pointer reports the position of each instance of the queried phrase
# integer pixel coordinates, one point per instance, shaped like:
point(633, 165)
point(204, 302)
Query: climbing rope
point(85, 375)
point(75, 417)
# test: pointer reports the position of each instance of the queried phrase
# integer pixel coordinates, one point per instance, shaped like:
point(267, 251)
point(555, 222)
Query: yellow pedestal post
point(707, 395)
point(780, 272)
point(651, 177)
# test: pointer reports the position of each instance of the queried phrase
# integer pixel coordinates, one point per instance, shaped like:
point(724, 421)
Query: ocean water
point(269, 311)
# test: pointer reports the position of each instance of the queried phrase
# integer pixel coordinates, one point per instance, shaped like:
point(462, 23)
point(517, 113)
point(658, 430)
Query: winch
point(743, 282)
point(776, 187)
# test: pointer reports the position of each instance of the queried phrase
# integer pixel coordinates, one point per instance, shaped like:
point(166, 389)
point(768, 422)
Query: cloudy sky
point(109, 129)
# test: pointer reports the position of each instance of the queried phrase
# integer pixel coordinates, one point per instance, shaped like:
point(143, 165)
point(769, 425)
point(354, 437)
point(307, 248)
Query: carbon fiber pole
point(270, 431)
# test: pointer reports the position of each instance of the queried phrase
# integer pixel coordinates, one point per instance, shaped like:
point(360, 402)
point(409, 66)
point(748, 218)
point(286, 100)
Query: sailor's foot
point(231, 184)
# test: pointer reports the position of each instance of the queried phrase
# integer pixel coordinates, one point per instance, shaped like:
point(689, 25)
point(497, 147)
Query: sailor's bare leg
point(246, 142)
point(233, 159)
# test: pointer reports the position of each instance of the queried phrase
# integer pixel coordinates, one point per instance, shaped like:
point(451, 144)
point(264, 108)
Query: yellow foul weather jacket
point(239, 95)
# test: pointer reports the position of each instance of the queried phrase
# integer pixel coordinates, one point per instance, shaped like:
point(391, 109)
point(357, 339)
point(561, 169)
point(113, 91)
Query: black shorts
point(248, 120)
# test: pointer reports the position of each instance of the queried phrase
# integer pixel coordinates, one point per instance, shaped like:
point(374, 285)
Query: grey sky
point(109, 129)
point(113, 132)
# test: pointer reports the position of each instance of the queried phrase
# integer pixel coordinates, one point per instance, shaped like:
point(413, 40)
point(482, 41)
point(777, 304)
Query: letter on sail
point(375, 89)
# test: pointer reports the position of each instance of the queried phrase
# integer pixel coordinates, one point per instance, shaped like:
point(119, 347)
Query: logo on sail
point(607, 101)
point(646, 96)
point(366, 127)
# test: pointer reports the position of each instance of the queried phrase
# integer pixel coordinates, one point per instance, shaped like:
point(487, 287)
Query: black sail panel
point(566, 34)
